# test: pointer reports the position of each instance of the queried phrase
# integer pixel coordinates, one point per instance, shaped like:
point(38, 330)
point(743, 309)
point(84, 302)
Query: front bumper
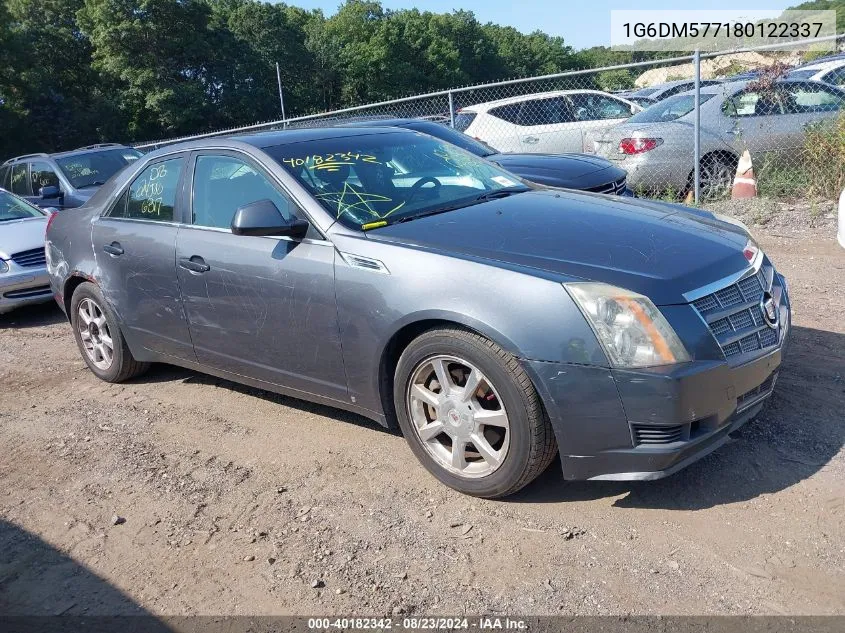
point(23, 286)
point(615, 424)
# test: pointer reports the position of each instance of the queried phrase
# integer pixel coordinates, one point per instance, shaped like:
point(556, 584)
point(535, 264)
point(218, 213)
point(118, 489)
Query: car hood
point(21, 235)
point(659, 250)
point(577, 171)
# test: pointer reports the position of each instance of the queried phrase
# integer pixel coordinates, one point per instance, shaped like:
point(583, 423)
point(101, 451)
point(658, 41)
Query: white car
point(544, 123)
point(831, 72)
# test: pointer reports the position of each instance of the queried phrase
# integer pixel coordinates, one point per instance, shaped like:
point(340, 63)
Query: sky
point(582, 23)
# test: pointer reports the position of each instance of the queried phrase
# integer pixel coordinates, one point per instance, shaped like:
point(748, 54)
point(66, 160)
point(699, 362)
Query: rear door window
point(810, 97)
point(545, 112)
point(509, 113)
point(152, 195)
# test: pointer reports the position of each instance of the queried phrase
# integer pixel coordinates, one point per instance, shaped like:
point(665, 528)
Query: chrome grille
point(33, 257)
point(734, 316)
point(617, 187)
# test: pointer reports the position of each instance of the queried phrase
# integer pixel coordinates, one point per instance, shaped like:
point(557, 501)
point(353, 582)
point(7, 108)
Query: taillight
point(750, 251)
point(638, 145)
point(50, 220)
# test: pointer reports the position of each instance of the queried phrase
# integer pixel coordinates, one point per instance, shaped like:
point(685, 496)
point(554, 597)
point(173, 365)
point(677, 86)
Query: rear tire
point(485, 434)
point(717, 174)
point(99, 338)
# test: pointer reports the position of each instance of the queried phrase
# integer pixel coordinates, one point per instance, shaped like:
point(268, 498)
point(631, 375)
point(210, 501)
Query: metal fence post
point(451, 111)
point(697, 133)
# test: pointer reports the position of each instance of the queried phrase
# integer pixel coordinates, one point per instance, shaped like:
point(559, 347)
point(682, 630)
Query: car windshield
point(91, 169)
point(450, 135)
point(372, 180)
point(669, 109)
point(12, 208)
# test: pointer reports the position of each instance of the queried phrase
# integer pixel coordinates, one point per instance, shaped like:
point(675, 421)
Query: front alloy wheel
point(458, 416)
point(470, 413)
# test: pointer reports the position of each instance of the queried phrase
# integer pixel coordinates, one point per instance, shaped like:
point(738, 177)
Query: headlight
point(4, 266)
point(631, 329)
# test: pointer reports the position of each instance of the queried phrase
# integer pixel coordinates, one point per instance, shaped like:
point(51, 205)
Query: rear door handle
point(195, 264)
point(114, 249)
point(531, 139)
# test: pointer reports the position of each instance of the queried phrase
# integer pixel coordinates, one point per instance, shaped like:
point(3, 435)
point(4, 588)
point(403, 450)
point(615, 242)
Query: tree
point(156, 53)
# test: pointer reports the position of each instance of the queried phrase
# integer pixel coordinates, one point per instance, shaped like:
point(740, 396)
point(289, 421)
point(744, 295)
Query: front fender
point(529, 315)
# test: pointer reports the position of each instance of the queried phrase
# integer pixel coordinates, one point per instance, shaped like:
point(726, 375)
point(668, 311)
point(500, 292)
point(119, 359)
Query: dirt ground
point(182, 494)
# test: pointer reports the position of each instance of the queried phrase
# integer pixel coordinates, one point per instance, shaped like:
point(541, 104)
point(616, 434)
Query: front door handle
point(114, 249)
point(195, 264)
point(531, 140)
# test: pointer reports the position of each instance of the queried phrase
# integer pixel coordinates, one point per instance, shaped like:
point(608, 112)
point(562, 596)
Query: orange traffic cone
point(745, 184)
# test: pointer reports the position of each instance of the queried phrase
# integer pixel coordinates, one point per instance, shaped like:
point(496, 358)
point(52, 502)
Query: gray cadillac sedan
point(392, 274)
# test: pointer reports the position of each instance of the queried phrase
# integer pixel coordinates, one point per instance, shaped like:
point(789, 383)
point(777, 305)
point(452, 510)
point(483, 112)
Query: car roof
point(88, 149)
point(731, 87)
point(822, 66)
point(273, 138)
point(487, 105)
point(397, 122)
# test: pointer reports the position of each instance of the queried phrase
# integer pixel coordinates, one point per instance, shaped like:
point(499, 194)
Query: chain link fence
point(788, 113)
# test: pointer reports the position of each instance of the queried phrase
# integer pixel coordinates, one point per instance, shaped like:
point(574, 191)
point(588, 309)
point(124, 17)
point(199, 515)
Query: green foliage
point(611, 80)
point(824, 158)
point(79, 71)
point(825, 5)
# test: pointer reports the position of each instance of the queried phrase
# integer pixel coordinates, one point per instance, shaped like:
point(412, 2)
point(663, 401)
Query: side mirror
point(264, 218)
point(50, 191)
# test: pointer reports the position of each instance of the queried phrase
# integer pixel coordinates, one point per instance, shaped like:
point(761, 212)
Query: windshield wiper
point(484, 197)
point(96, 183)
point(500, 193)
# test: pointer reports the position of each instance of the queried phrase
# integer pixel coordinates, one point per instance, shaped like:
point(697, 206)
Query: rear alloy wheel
point(717, 176)
point(470, 413)
point(99, 338)
point(94, 332)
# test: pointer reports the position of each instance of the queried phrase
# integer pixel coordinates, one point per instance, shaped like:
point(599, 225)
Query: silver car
point(655, 146)
point(23, 271)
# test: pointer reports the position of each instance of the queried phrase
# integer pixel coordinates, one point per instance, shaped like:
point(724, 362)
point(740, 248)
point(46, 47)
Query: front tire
point(99, 338)
point(470, 413)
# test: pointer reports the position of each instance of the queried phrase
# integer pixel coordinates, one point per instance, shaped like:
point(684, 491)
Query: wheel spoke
point(474, 378)
point(431, 430)
point(492, 418)
point(442, 373)
point(426, 395)
point(106, 339)
point(84, 313)
point(490, 454)
point(459, 458)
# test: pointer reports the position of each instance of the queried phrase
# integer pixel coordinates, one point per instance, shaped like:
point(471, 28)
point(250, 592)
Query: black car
point(65, 179)
point(573, 171)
